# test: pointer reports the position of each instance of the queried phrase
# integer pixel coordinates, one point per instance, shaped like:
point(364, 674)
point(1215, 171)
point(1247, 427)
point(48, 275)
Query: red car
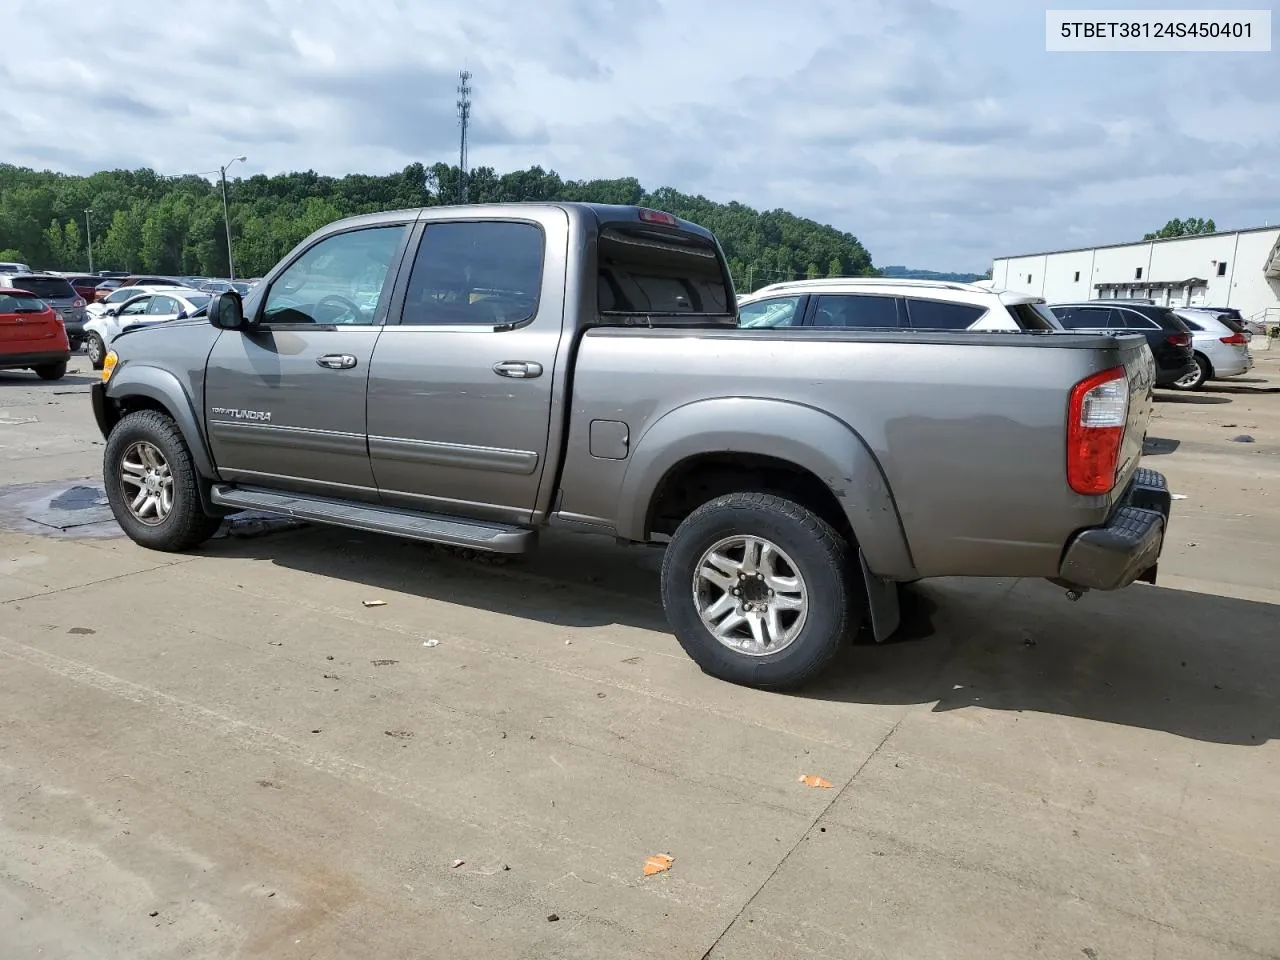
point(32, 336)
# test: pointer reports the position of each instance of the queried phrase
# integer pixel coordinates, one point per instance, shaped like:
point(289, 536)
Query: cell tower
point(464, 121)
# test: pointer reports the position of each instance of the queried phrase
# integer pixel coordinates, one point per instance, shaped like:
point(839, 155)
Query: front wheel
point(96, 350)
point(1194, 380)
point(152, 486)
point(759, 590)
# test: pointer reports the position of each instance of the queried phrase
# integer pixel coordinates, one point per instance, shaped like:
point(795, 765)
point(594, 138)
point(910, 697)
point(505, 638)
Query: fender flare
point(801, 435)
point(141, 380)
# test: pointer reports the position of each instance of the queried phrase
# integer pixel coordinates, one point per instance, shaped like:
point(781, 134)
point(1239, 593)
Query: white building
point(1239, 269)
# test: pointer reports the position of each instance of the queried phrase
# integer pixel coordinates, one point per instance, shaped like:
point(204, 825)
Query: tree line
point(141, 221)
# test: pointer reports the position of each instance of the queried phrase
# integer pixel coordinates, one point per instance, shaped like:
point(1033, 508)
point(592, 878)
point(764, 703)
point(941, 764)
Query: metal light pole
point(88, 232)
point(226, 213)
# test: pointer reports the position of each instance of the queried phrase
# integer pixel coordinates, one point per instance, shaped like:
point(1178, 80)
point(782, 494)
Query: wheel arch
point(135, 387)
point(831, 469)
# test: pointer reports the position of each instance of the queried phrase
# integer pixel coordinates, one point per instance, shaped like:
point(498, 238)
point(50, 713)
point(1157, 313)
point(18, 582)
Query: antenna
point(464, 121)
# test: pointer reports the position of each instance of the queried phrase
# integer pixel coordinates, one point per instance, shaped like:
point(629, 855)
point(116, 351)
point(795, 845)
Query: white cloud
point(938, 131)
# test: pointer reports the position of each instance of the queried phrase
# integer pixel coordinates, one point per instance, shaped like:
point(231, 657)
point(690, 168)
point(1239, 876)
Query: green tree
point(1190, 227)
point(10, 255)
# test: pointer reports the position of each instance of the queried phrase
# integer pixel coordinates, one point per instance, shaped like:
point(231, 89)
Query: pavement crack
point(93, 583)
point(804, 833)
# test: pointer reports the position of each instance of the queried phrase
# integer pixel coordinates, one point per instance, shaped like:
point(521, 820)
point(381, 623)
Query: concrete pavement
point(227, 754)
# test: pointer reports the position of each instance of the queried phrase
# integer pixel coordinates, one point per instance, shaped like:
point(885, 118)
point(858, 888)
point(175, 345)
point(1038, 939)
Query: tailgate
point(23, 328)
point(1141, 369)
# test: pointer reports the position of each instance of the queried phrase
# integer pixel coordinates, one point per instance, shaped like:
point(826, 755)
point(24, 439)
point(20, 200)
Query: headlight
point(109, 365)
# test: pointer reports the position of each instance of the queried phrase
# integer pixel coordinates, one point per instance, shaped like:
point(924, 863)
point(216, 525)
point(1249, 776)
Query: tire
point(51, 371)
point(185, 524)
point(1195, 381)
point(819, 557)
point(96, 349)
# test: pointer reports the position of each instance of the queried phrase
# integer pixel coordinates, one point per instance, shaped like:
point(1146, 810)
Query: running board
point(478, 535)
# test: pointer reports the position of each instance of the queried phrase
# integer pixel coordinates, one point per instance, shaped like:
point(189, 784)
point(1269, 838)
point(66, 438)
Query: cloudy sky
point(939, 132)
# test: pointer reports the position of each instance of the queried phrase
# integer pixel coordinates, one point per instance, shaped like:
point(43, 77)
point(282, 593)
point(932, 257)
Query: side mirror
point(109, 312)
point(226, 312)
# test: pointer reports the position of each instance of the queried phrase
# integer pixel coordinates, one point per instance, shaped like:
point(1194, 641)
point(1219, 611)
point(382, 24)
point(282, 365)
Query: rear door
point(285, 399)
point(462, 385)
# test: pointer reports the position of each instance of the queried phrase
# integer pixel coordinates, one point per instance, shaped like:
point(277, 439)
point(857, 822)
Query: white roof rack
point(824, 282)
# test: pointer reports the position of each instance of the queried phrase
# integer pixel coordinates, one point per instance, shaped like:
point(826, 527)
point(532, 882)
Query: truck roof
point(602, 212)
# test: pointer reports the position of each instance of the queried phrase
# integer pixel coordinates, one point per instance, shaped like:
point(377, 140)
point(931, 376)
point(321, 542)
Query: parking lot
point(230, 754)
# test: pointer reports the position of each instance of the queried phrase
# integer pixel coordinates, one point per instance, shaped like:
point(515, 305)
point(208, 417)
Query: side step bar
point(478, 535)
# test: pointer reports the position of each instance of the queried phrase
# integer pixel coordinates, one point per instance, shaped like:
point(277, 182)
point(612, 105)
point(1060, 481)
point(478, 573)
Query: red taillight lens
point(1179, 339)
point(1096, 418)
point(1235, 340)
point(78, 302)
point(657, 216)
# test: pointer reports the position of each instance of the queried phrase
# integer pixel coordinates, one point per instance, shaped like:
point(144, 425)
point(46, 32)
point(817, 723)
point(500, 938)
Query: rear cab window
point(659, 270)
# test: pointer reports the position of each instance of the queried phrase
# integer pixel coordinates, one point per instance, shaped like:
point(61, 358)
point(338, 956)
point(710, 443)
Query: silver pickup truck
point(467, 375)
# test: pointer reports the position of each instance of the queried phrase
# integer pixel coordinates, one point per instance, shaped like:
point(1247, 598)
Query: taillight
point(78, 302)
point(1179, 339)
point(1096, 418)
point(1235, 340)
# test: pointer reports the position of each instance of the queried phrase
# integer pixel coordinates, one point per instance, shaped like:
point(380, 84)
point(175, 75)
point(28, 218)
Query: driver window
point(780, 312)
point(135, 307)
point(337, 281)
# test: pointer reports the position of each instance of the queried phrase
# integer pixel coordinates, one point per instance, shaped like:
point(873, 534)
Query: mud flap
point(882, 602)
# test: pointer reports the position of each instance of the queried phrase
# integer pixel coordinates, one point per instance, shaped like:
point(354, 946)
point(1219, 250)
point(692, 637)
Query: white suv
point(885, 303)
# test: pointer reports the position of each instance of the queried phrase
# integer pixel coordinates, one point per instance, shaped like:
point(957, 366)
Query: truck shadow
point(1195, 665)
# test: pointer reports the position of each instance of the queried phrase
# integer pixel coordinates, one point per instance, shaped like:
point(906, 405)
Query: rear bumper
point(21, 361)
point(1127, 547)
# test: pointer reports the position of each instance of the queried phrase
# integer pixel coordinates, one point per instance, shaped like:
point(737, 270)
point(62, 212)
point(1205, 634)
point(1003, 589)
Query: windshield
point(47, 288)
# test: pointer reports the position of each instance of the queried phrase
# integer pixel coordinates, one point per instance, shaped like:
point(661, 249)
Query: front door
point(461, 388)
point(285, 399)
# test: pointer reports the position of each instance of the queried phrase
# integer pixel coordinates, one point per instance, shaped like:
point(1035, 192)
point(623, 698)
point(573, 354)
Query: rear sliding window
point(47, 288)
point(661, 272)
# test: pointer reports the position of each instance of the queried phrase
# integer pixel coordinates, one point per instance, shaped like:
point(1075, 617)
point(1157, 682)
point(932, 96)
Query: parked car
point(121, 295)
point(1229, 316)
point(104, 290)
point(222, 286)
point(1220, 347)
point(32, 335)
point(468, 375)
point(59, 294)
point(147, 305)
point(84, 284)
point(11, 267)
point(150, 280)
point(1167, 335)
point(884, 303)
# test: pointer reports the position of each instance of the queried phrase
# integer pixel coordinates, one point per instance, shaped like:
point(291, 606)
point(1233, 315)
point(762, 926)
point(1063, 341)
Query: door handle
point(337, 361)
point(518, 369)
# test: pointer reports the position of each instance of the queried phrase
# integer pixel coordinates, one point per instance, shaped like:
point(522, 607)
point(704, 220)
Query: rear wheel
point(96, 350)
point(52, 371)
point(1195, 380)
point(759, 590)
point(152, 485)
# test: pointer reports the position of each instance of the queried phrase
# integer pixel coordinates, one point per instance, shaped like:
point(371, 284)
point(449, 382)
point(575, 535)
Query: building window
point(1222, 268)
point(1028, 278)
point(1077, 276)
point(1137, 274)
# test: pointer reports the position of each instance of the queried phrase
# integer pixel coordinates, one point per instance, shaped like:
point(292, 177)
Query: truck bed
point(965, 430)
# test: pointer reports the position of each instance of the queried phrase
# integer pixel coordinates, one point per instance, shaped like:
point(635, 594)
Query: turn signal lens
point(109, 365)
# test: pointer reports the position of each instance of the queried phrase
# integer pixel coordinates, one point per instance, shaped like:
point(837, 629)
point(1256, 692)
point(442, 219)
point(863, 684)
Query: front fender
point(804, 436)
point(137, 379)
